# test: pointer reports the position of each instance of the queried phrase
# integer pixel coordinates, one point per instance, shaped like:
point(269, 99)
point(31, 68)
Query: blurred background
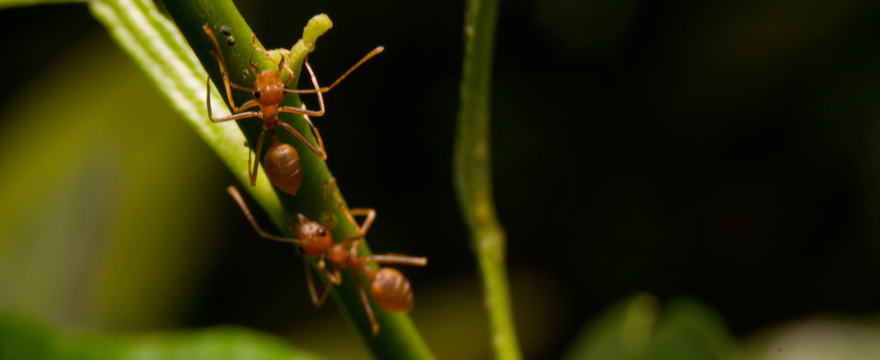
point(726, 152)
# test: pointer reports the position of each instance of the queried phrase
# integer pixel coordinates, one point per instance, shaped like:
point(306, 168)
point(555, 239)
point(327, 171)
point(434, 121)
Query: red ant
point(282, 162)
point(388, 286)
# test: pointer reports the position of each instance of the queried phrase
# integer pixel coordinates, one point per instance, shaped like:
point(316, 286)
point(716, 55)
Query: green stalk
point(161, 51)
point(473, 174)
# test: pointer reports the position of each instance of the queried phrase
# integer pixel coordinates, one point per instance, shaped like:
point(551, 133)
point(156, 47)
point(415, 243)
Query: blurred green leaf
point(690, 330)
point(11, 3)
point(637, 329)
point(25, 339)
point(91, 230)
point(620, 332)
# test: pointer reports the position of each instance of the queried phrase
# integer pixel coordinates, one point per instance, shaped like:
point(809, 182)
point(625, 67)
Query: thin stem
point(177, 70)
point(473, 176)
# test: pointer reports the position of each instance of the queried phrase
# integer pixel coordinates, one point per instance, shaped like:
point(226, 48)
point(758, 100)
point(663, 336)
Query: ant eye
point(284, 86)
point(256, 94)
point(322, 231)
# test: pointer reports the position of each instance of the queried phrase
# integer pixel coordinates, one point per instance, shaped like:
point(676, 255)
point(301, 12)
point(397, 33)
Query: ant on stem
point(389, 288)
point(282, 161)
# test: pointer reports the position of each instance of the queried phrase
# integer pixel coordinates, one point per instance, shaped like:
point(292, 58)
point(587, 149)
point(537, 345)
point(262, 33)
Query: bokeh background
point(723, 151)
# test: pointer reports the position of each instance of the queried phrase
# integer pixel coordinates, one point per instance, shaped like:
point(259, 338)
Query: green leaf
point(622, 332)
point(25, 339)
point(12, 3)
point(91, 222)
point(690, 330)
point(637, 329)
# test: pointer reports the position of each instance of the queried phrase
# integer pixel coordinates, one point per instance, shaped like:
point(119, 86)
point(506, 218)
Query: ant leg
point(284, 53)
point(350, 214)
point(366, 302)
point(239, 115)
point(398, 259)
point(235, 109)
point(324, 296)
point(247, 213)
point(225, 74)
point(321, 153)
point(327, 202)
point(317, 133)
point(332, 279)
point(354, 241)
point(253, 174)
point(369, 213)
point(249, 173)
point(246, 106)
point(219, 56)
point(284, 67)
point(303, 110)
point(311, 283)
point(326, 89)
point(258, 48)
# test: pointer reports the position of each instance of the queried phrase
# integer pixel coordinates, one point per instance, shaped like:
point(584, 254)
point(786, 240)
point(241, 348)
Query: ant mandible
point(282, 161)
point(389, 288)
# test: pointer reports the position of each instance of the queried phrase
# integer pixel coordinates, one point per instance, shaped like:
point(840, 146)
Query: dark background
point(723, 151)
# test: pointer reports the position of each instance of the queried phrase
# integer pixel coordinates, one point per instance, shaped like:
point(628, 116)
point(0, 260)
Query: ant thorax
point(337, 254)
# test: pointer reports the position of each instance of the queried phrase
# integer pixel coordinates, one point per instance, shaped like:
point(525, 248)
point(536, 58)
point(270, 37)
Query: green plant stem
point(160, 49)
point(473, 175)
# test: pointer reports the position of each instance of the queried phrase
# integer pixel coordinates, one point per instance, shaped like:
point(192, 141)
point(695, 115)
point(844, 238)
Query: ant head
point(269, 87)
point(314, 238)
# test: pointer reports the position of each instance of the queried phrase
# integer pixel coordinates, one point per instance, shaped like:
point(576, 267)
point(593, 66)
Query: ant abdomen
point(282, 164)
point(392, 290)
